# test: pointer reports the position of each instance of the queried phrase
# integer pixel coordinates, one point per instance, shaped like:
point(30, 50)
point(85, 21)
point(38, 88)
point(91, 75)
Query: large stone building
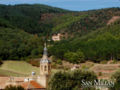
point(56, 37)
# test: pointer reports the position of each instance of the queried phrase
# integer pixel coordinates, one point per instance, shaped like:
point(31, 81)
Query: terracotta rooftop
point(32, 84)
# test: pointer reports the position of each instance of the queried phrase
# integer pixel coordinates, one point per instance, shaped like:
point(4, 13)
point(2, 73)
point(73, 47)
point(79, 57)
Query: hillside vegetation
point(101, 44)
point(27, 17)
point(24, 29)
point(91, 21)
point(16, 44)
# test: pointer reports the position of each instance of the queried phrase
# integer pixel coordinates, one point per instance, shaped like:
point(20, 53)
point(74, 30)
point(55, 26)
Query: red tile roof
point(35, 84)
point(32, 84)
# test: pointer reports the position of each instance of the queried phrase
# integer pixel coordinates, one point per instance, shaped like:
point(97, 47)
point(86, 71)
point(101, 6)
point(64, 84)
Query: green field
point(17, 68)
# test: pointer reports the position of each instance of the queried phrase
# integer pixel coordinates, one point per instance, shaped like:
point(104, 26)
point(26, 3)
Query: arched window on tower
point(45, 68)
point(48, 67)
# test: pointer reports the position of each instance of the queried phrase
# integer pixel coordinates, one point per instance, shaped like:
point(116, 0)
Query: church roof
point(45, 57)
point(32, 84)
point(45, 61)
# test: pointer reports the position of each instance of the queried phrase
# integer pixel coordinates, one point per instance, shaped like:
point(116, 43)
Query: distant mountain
point(45, 20)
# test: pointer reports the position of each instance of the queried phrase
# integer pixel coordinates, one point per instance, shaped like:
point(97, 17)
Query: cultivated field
point(17, 68)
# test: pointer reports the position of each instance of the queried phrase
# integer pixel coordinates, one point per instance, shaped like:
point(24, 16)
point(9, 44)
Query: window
point(48, 67)
point(45, 68)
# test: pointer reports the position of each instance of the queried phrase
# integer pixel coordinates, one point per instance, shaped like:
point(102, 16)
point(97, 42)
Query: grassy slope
point(10, 73)
point(17, 68)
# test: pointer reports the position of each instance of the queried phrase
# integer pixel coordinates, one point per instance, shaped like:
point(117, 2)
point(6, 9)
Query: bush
point(74, 57)
point(14, 88)
point(70, 80)
point(103, 62)
point(100, 73)
point(59, 62)
point(116, 78)
point(35, 63)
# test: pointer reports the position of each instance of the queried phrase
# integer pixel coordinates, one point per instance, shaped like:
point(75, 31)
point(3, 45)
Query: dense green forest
point(101, 44)
point(16, 44)
point(28, 17)
point(24, 29)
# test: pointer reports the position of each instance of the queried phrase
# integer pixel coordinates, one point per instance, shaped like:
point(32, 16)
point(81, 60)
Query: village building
point(56, 37)
point(32, 82)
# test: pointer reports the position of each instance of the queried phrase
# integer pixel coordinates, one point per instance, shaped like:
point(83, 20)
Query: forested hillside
point(24, 29)
point(91, 21)
point(28, 17)
point(20, 26)
point(17, 44)
point(101, 44)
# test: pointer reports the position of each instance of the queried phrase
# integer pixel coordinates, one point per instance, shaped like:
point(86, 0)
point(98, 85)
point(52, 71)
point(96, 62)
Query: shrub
point(116, 78)
point(14, 88)
point(103, 62)
point(70, 80)
point(100, 73)
point(59, 62)
point(35, 63)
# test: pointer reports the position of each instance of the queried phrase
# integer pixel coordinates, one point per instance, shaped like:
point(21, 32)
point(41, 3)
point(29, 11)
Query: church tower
point(45, 64)
point(45, 68)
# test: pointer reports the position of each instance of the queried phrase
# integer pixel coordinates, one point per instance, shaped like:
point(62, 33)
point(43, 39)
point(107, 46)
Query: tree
point(70, 80)
point(116, 78)
point(74, 57)
point(80, 56)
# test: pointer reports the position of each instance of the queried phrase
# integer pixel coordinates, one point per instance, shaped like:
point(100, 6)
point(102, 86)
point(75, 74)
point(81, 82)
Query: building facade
point(56, 37)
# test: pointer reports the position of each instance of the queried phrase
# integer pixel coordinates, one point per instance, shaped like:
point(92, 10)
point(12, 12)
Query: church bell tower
point(45, 68)
point(45, 64)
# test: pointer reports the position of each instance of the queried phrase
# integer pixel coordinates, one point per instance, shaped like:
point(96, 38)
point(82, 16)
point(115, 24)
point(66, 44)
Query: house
point(56, 37)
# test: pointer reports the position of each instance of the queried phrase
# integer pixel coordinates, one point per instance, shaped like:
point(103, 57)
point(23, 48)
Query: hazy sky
point(78, 5)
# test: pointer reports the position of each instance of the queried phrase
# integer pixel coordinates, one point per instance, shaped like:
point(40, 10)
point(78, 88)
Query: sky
point(75, 5)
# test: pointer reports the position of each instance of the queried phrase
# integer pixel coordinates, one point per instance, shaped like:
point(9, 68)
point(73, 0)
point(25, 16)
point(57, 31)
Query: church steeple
point(45, 57)
point(45, 68)
point(45, 63)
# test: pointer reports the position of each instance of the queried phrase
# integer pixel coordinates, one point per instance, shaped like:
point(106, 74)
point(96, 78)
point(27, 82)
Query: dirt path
point(113, 19)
